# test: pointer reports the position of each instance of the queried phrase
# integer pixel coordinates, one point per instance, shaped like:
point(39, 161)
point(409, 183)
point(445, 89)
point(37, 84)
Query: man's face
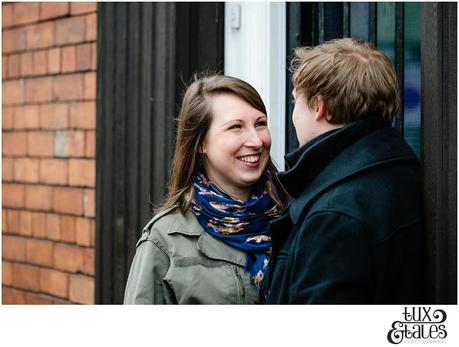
point(303, 119)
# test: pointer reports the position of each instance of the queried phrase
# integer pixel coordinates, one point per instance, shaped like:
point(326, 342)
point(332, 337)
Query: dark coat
point(353, 233)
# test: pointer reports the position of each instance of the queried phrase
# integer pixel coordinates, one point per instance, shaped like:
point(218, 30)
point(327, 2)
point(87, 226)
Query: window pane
point(412, 82)
point(333, 20)
point(386, 28)
point(360, 20)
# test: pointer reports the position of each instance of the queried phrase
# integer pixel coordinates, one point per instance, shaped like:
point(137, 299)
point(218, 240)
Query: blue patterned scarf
point(242, 225)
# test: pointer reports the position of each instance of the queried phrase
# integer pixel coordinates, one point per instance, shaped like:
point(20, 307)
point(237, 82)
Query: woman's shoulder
point(173, 221)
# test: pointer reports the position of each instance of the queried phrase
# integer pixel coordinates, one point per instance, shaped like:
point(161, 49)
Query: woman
point(209, 243)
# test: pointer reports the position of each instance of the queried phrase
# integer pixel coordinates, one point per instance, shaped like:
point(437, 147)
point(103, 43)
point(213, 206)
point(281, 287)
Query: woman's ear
point(202, 148)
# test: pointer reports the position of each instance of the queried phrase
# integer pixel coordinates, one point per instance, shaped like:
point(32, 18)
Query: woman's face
point(237, 145)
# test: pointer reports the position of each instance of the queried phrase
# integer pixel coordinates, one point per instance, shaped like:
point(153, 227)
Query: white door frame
point(255, 43)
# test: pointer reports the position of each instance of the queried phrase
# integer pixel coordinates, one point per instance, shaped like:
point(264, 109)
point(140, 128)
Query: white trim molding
point(255, 44)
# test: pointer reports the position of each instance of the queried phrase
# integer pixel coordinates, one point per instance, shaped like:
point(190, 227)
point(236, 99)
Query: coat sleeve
point(331, 261)
point(145, 281)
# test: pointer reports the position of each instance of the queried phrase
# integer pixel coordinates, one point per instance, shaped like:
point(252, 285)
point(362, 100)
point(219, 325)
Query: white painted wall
point(255, 41)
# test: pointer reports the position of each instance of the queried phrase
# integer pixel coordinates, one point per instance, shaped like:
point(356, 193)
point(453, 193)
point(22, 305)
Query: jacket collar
point(187, 224)
point(305, 163)
point(346, 152)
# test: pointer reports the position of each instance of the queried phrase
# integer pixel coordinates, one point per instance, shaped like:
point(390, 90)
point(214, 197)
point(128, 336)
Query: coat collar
point(355, 148)
point(305, 163)
point(187, 224)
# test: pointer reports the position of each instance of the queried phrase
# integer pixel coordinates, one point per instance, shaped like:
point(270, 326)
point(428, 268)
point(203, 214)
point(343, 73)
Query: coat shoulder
point(167, 223)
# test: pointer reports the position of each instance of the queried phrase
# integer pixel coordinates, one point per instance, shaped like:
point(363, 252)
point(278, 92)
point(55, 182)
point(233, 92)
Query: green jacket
point(177, 262)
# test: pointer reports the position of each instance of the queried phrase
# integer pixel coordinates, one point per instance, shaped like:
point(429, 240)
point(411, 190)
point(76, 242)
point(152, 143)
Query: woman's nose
point(253, 139)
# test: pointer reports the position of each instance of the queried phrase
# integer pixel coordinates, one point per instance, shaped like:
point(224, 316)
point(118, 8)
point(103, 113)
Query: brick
point(25, 13)
point(15, 143)
point(89, 264)
point(90, 144)
point(53, 171)
point(83, 232)
point(81, 289)
point(40, 143)
point(12, 221)
point(38, 198)
point(93, 233)
point(14, 65)
point(69, 87)
point(83, 58)
point(82, 7)
point(50, 10)
point(68, 200)
point(4, 223)
point(7, 118)
point(54, 116)
point(37, 299)
point(82, 172)
point(40, 35)
point(12, 296)
point(7, 15)
point(68, 258)
point(69, 144)
point(13, 195)
point(68, 59)
point(70, 30)
point(68, 229)
point(54, 60)
point(4, 67)
point(26, 170)
point(27, 64)
point(14, 40)
point(91, 27)
point(40, 62)
point(90, 86)
point(93, 56)
point(39, 89)
point(13, 248)
point(39, 225)
point(53, 227)
point(7, 169)
point(13, 92)
point(83, 115)
point(39, 252)
point(7, 275)
point(89, 202)
point(26, 117)
point(25, 223)
point(54, 282)
point(26, 277)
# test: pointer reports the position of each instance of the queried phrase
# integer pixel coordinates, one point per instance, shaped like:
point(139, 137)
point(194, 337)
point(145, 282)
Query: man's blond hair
point(354, 78)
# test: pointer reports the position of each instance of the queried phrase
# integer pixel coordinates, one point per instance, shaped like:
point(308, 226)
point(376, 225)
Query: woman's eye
point(235, 126)
point(262, 123)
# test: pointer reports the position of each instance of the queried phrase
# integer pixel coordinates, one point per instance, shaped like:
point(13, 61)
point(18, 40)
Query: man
point(353, 233)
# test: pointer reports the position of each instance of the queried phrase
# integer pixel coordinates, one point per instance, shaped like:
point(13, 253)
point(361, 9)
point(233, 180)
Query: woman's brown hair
point(193, 123)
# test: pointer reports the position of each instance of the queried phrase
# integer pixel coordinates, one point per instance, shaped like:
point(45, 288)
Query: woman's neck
point(234, 192)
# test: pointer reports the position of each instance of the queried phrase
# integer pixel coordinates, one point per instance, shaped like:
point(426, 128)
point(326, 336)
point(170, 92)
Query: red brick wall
point(48, 175)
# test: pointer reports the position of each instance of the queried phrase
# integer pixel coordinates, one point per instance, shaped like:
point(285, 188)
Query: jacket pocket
point(239, 284)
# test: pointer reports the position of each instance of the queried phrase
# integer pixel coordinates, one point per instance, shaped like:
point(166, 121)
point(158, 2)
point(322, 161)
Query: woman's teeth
point(250, 158)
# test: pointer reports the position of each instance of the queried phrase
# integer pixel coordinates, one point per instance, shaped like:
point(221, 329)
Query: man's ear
point(320, 108)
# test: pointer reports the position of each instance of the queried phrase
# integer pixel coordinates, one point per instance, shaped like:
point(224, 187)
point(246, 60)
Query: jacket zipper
point(241, 283)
